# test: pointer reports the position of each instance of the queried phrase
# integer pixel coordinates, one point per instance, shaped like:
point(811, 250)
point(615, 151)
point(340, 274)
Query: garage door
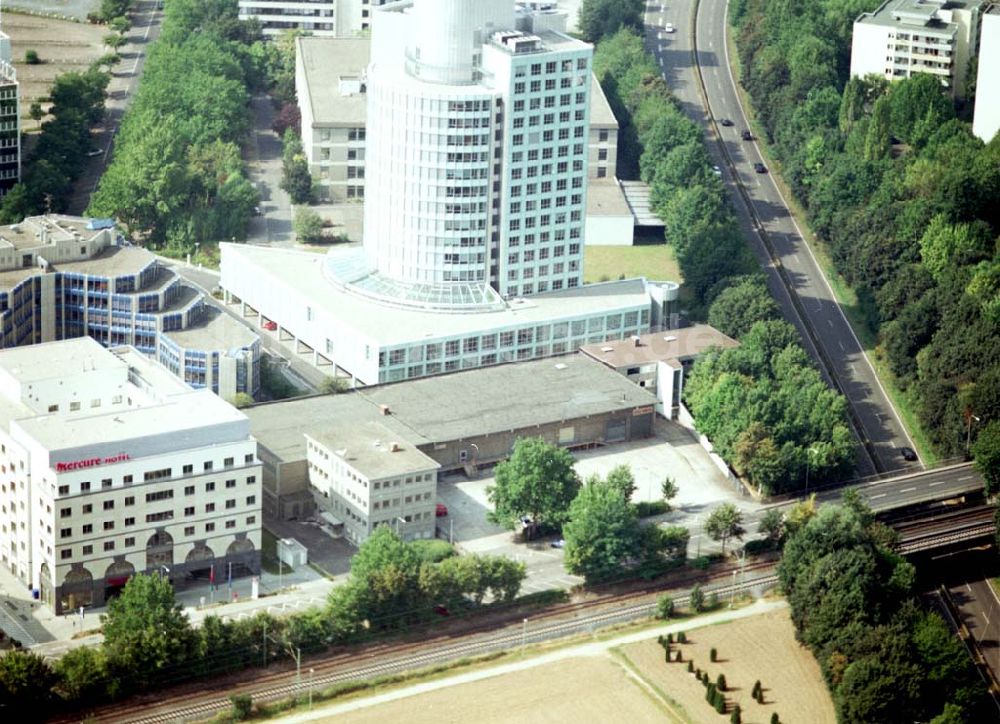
point(615, 430)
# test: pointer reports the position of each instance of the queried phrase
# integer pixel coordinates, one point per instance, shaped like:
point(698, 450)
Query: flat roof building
point(904, 37)
point(114, 466)
point(658, 362)
point(460, 421)
point(63, 277)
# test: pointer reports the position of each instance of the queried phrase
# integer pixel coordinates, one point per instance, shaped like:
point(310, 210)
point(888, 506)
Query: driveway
point(274, 226)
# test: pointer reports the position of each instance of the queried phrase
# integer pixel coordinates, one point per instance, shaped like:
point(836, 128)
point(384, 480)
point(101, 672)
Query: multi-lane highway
point(694, 61)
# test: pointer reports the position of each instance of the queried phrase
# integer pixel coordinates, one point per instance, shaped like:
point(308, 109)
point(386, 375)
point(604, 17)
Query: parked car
point(558, 543)
point(270, 326)
point(668, 28)
point(760, 168)
point(716, 170)
point(440, 510)
point(908, 453)
point(747, 136)
point(257, 211)
point(725, 122)
point(441, 610)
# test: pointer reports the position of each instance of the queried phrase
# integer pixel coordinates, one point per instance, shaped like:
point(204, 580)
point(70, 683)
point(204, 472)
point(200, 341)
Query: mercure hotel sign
point(90, 463)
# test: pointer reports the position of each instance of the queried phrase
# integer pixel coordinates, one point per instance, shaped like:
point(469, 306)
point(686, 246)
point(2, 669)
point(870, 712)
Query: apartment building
point(365, 476)
point(110, 465)
point(904, 37)
point(322, 18)
point(64, 276)
point(10, 119)
point(986, 118)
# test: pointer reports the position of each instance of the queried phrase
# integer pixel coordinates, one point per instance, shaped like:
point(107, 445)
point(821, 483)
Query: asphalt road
point(979, 608)
point(814, 303)
point(146, 19)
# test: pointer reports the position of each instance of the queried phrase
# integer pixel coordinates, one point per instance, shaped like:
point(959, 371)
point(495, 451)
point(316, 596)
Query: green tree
point(25, 683)
point(669, 491)
point(537, 482)
point(31, 57)
point(307, 224)
point(986, 454)
point(115, 40)
point(664, 607)
point(723, 523)
point(943, 245)
point(737, 308)
point(82, 675)
point(621, 479)
point(602, 533)
point(146, 633)
point(602, 18)
point(36, 113)
point(242, 706)
point(772, 526)
point(879, 140)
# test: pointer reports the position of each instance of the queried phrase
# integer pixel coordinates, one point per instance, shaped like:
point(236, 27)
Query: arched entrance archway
point(198, 562)
point(159, 550)
point(77, 589)
point(116, 576)
point(239, 555)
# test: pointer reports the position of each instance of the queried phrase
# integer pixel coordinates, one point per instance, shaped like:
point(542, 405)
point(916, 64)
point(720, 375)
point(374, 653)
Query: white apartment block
point(110, 465)
point(366, 476)
point(904, 37)
point(329, 18)
point(986, 120)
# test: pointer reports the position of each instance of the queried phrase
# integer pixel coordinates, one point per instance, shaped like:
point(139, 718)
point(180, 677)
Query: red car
point(441, 510)
point(270, 326)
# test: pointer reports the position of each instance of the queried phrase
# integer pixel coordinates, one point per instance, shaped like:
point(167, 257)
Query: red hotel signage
point(90, 463)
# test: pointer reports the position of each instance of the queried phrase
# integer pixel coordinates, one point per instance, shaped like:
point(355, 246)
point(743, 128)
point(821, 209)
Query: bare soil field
point(62, 46)
point(583, 689)
point(761, 647)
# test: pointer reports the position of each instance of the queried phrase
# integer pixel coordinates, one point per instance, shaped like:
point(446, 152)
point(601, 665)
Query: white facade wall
point(869, 50)
point(610, 230)
point(405, 502)
point(318, 17)
point(986, 121)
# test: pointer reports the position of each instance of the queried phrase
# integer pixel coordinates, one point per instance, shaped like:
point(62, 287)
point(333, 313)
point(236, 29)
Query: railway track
point(385, 659)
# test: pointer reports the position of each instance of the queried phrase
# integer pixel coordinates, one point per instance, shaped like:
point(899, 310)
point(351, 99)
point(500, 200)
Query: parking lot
point(671, 452)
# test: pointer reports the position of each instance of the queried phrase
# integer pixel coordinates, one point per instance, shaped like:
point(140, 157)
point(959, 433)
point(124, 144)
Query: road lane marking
point(907, 490)
point(931, 485)
point(873, 497)
point(967, 477)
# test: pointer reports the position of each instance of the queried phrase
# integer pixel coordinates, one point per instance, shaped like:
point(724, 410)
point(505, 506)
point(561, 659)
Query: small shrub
point(713, 600)
point(666, 655)
point(31, 57)
point(736, 717)
point(665, 608)
point(647, 509)
point(720, 682)
point(720, 703)
point(710, 693)
point(670, 637)
point(242, 706)
point(679, 657)
point(697, 674)
point(660, 639)
point(681, 637)
point(712, 655)
point(774, 718)
point(697, 598)
point(690, 667)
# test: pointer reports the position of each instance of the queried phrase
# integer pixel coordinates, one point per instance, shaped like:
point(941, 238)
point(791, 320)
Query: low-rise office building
point(63, 277)
point(111, 466)
point(659, 362)
point(460, 422)
point(364, 476)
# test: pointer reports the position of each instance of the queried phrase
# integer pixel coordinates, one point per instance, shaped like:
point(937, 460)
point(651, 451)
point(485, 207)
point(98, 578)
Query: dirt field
point(585, 689)
point(761, 647)
point(62, 45)
point(633, 684)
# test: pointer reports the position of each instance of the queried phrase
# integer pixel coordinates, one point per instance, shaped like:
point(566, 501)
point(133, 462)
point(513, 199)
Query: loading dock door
point(616, 430)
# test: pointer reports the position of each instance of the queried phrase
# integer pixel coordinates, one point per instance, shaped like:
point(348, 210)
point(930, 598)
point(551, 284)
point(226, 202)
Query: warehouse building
point(460, 422)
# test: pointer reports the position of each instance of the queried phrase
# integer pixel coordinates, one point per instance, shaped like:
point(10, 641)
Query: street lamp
point(969, 417)
point(524, 633)
point(809, 454)
point(311, 672)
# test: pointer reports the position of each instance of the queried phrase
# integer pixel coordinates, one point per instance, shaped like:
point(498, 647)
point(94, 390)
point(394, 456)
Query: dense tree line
point(852, 602)
point(149, 642)
point(769, 413)
point(903, 195)
point(60, 154)
point(177, 177)
point(660, 145)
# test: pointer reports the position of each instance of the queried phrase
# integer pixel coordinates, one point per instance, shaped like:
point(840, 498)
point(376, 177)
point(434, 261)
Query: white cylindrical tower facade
point(429, 151)
point(446, 34)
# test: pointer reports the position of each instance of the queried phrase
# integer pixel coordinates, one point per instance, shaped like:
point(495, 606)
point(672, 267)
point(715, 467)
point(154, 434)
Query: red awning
point(118, 580)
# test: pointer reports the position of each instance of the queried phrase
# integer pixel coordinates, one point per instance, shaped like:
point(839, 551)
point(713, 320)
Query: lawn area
point(653, 261)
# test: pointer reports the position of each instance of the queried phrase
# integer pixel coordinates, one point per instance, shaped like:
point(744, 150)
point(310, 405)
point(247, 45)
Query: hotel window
point(87, 550)
point(66, 553)
point(209, 527)
point(129, 542)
